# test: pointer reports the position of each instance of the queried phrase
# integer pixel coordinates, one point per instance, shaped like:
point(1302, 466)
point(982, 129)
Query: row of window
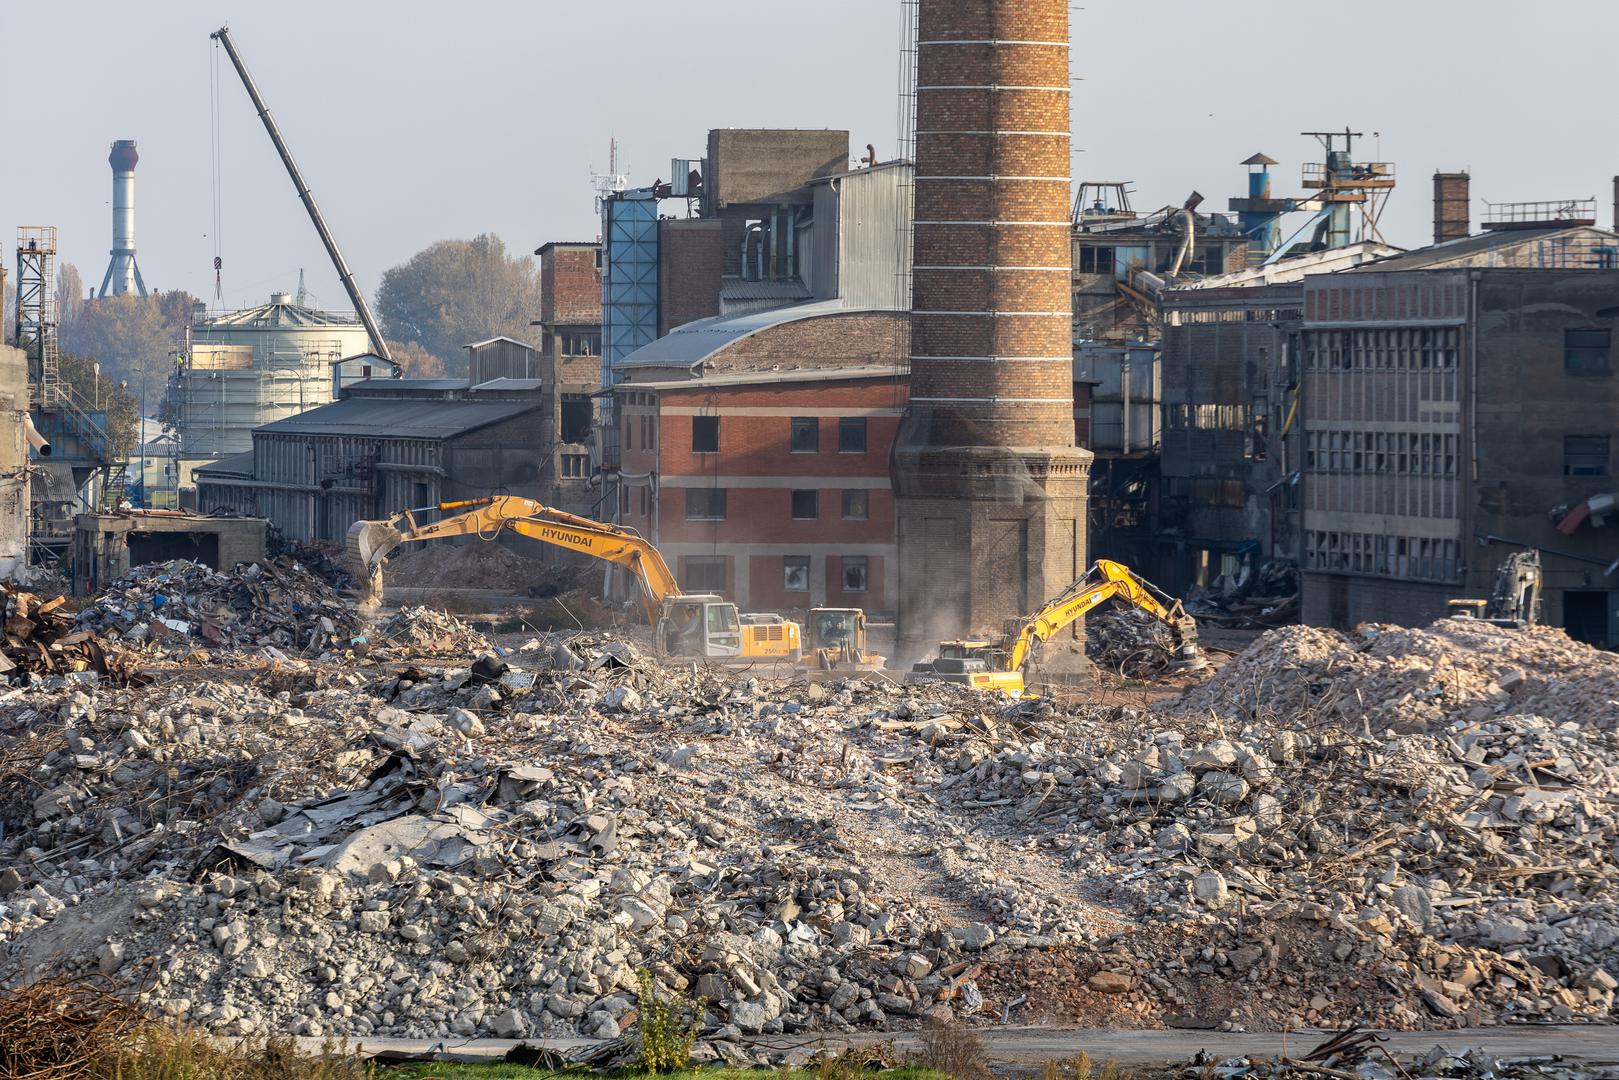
point(647, 425)
point(708, 504)
point(1181, 416)
point(1391, 350)
point(804, 435)
point(1398, 452)
point(574, 342)
point(1419, 557)
point(706, 573)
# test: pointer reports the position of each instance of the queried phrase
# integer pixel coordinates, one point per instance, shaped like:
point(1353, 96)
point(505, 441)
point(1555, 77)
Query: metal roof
point(497, 340)
point(505, 383)
point(1477, 250)
point(402, 418)
point(394, 387)
point(236, 465)
point(697, 341)
point(274, 316)
point(369, 356)
point(786, 290)
point(751, 378)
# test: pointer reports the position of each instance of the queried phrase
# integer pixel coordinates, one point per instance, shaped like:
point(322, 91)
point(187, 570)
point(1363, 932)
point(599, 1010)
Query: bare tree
point(69, 295)
point(416, 361)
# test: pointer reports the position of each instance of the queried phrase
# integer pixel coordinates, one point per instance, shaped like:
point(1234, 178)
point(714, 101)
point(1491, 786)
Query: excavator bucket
point(367, 546)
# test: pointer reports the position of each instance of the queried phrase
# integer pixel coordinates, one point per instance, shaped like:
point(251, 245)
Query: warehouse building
point(388, 444)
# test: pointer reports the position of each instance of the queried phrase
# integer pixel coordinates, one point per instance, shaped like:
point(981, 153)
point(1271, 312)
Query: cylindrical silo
point(992, 489)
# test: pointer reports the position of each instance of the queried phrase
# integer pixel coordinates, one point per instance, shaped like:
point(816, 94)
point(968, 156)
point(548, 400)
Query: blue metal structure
point(1259, 215)
point(629, 277)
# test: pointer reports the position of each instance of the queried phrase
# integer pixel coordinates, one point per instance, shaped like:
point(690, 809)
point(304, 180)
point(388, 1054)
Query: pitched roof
point(404, 418)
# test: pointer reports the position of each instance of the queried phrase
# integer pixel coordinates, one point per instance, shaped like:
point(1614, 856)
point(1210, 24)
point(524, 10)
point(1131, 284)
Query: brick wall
point(691, 257)
point(570, 284)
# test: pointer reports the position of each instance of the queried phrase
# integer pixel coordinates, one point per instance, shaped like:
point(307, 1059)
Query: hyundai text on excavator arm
point(684, 624)
point(998, 665)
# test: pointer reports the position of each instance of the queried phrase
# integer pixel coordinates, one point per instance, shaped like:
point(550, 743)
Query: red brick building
point(769, 487)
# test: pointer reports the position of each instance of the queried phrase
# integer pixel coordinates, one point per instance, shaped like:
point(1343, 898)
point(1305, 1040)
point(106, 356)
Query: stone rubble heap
point(1412, 827)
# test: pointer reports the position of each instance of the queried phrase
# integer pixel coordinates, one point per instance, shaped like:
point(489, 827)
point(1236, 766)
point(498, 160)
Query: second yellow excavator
point(998, 665)
point(695, 625)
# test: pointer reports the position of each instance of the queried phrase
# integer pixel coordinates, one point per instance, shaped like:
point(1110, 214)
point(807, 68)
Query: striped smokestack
point(991, 487)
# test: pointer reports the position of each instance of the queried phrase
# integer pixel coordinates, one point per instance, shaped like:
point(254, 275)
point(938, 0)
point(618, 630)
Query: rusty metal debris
point(62, 1028)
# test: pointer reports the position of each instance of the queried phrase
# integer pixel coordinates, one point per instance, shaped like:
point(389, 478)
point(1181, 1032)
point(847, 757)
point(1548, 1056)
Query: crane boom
point(370, 541)
point(378, 345)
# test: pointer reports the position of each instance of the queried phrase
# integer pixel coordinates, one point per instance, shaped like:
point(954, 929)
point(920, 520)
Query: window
point(629, 433)
point(575, 418)
point(1585, 352)
point(705, 434)
point(806, 505)
point(795, 573)
point(854, 573)
point(855, 504)
point(806, 437)
point(575, 466)
point(852, 435)
point(705, 504)
point(1585, 455)
point(704, 573)
point(1095, 260)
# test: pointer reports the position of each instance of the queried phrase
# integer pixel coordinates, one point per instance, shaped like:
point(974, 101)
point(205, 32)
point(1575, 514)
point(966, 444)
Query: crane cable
point(216, 164)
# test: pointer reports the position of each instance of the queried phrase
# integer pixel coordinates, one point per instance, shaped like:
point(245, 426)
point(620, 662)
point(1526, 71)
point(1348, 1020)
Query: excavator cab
point(699, 626)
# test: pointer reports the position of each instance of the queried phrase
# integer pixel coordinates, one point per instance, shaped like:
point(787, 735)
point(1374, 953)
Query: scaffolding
point(36, 312)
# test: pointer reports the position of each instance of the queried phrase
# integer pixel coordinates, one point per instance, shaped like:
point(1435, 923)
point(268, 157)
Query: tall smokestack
point(991, 489)
point(1452, 209)
point(123, 276)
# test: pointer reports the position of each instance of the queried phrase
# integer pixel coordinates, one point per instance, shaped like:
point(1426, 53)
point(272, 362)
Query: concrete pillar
point(991, 489)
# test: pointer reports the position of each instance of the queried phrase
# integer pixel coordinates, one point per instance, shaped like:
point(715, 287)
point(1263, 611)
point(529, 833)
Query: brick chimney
point(991, 489)
point(1452, 205)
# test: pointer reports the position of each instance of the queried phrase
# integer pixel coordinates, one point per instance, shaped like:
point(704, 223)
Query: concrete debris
point(275, 603)
point(433, 845)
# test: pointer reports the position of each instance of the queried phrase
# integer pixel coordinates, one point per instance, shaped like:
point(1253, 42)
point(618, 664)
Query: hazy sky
point(416, 120)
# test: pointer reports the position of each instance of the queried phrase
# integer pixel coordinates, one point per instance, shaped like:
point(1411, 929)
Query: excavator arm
point(369, 542)
point(1103, 582)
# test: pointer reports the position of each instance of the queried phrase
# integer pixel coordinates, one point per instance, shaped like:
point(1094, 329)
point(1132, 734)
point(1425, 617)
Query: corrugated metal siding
point(874, 238)
point(823, 272)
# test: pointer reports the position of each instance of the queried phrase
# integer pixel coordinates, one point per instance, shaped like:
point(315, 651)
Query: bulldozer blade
point(365, 550)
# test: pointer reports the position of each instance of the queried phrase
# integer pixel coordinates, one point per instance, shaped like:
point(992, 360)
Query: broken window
point(855, 504)
point(854, 573)
point(806, 505)
point(806, 435)
point(1585, 455)
point(705, 434)
point(852, 435)
point(704, 573)
point(1586, 352)
point(575, 418)
point(795, 573)
point(705, 504)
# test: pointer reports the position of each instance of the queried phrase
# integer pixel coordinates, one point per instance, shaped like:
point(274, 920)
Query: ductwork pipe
point(1184, 253)
point(41, 445)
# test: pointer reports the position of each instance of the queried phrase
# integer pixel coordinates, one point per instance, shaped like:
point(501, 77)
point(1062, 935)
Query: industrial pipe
point(1185, 251)
point(41, 445)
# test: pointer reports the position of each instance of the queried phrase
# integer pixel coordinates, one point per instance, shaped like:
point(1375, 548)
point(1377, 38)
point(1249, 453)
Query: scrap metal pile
point(1407, 828)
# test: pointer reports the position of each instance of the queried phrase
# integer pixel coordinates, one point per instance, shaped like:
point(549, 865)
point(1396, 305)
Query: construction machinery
point(685, 625)
point(998, 665)
point(1515, 600)
point(835, 641)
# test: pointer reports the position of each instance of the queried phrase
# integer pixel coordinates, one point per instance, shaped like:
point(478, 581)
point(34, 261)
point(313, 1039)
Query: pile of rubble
point(40, 639)
point(277, 603)
point(497, 844)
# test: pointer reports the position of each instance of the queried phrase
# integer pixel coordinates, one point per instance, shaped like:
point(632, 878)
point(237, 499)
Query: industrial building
point(768, 487)
point(570, 372)
point(1458, 402)
point(991, 489)
point(240, 370)
point(387, 444)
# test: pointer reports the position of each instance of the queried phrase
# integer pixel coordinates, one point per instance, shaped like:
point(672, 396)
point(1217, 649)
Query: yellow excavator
point(998, 665)
point(685, 625)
